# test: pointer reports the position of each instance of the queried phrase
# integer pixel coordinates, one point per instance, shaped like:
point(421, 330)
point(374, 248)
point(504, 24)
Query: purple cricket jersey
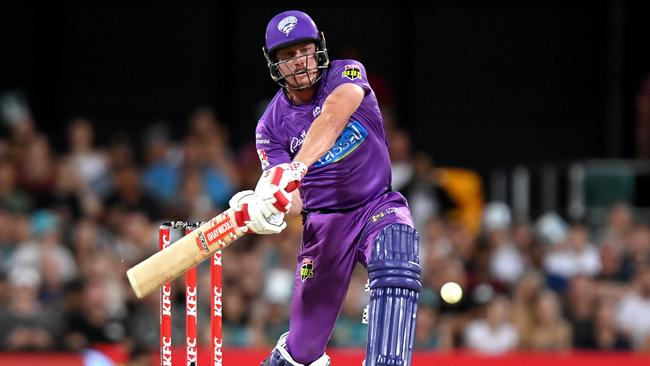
point(356, 169)
point(346, 194)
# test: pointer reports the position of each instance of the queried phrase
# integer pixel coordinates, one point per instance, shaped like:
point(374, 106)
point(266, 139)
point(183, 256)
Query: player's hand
point(250, 214)
point(277, 183)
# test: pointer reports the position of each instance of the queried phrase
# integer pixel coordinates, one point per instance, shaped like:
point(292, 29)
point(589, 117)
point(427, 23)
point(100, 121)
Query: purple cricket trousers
point(332, 243)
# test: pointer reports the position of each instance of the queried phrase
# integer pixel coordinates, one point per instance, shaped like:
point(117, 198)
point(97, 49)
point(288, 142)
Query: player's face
point(298, 64)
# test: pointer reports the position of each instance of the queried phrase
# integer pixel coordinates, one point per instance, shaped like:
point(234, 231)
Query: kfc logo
point(191, 301)
point(166, 352)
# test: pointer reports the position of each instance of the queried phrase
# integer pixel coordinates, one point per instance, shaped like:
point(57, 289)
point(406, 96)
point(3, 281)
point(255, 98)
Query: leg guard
point(281, 357)
point(394, 275)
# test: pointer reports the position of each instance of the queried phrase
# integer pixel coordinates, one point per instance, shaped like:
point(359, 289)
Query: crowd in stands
point(73, 221)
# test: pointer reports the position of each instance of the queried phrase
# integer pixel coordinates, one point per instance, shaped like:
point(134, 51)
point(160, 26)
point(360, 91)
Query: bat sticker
point(201, 242)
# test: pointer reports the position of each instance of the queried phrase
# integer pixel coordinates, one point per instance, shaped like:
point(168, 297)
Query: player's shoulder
point(338, 67)
point(346, 71)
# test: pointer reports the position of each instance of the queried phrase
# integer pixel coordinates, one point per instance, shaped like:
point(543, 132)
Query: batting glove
point(276, 184)
point(249, 214)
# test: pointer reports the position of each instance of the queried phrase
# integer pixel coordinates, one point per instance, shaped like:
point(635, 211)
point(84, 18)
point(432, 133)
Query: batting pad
point(394, 275)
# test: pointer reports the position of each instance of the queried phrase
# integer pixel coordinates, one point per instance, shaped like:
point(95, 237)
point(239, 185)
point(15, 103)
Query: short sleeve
point(270, 149)
point(348, 71)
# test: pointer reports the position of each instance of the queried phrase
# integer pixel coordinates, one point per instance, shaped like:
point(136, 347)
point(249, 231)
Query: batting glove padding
point(251, 214)
point(277, 183)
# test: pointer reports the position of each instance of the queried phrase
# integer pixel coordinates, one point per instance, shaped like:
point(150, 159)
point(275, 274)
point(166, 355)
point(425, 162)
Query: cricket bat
point(188, 251)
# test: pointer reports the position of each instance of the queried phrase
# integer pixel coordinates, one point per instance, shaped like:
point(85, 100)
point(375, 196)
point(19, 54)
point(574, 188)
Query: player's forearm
point(320, 137)
point(326, 128)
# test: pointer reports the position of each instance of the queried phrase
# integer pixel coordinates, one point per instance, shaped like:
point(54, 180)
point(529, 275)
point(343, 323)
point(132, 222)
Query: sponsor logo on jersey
point(287, 24)
point(387, 211)
point(296, 142)
point(316, 111)
point(261, 140)
point(264, 159)
point(350, 139)
point(378, 216)
point(307, 269)
point(352, 72)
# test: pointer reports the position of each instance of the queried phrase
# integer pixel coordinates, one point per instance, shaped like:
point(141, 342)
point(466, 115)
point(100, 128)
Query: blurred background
point(519, 132)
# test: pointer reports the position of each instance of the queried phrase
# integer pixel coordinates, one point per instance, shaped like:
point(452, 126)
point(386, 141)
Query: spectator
point(463, 241)
point(192, 202)
point(212, 155)
point(12, 197)
point(84, 243)
point(160, 176)
point(435, 246)
point(619, 221)
point(425, 195)
point(425, 331)
point(574, 257)
point(549, 331)
point(236, 310)
point(129, 196)
point(494, 333)
point(133, 236)
point(47, 232)
point(400, 158)
point(27, 325)
point(525, 295)
point(71, 198)
point(7, 238)
point(612, 251)
point(632, 314)
point(89, 163)
point(36, 171)
point(581, 301)
point(143, 323)
point(637, 249)
point(92, 323)
point(433, 331)
point(532, 251)
point(606, 334)
point(215, 182)
point(506, 263)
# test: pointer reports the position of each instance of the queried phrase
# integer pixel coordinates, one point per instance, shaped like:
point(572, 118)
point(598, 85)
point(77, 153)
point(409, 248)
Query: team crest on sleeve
point(307, 269)
point(352, 72)
point(264, 159)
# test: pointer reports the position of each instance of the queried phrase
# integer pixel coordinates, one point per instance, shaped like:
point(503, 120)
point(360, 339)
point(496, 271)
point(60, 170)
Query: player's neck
point(301, 96)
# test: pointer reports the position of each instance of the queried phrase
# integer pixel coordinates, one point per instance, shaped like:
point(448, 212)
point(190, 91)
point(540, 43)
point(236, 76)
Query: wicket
point(216, 338)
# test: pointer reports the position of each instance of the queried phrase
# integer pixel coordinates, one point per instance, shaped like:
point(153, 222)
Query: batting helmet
point(289, 28)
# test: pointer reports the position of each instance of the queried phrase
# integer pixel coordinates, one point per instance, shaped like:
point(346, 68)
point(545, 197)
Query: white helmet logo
point(287, 24)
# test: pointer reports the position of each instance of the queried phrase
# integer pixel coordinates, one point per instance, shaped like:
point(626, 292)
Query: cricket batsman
point(323, 132)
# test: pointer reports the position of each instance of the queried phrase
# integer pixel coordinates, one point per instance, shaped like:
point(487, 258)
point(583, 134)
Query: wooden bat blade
point(185, 253)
